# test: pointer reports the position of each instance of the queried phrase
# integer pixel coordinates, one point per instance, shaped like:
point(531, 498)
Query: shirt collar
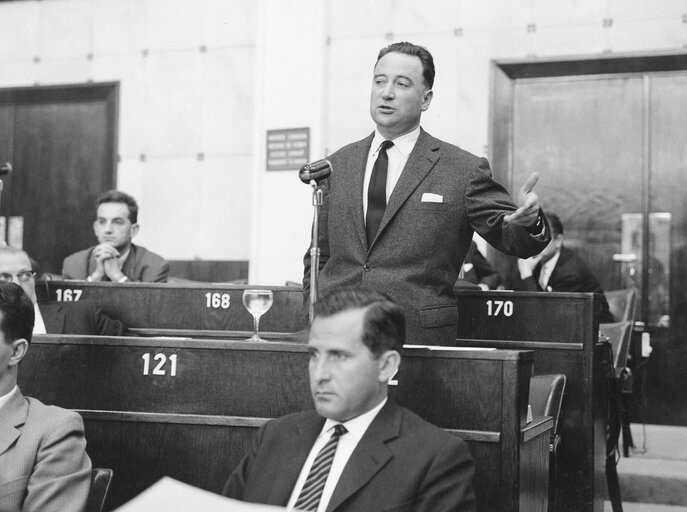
point(6, 397)
point(550, 264)
point(358, 425)
point(39, 323)
point(405, 143)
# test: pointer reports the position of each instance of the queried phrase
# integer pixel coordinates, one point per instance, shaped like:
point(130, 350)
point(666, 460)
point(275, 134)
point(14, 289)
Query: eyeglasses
point(22, 277)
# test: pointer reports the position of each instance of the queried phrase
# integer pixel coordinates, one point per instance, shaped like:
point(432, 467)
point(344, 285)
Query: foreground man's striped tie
point(310, 495)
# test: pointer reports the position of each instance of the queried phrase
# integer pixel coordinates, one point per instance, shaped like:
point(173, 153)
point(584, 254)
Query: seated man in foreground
point(115, 258)
point(82, 317)
point(43, 462)
point(357, 450)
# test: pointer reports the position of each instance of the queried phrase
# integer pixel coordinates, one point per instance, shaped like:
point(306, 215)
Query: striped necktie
point(309, 497)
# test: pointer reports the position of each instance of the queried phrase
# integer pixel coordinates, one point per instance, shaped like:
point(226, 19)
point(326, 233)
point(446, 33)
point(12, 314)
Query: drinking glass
point(257, 302)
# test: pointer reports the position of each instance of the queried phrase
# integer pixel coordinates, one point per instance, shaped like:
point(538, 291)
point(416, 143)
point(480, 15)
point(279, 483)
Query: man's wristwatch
point(537, 228)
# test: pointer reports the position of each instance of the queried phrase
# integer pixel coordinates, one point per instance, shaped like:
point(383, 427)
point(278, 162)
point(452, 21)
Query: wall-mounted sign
point(288, 149)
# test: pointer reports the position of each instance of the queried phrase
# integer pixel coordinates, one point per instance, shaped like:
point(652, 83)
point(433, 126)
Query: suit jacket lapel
point(562, 260)
point(370, 456)
point(295, 450)
point(129, 264)
point(354, 172)
point(420, 162)
point(54, 318)
point(13, 415)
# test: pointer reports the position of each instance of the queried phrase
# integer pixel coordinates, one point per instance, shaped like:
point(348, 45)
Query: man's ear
point(19, 349)
point(427, 99)
point(134, 230)
point(389, 362)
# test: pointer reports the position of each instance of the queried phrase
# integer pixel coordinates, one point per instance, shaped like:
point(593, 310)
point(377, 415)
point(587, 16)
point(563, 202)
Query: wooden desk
point(188, 408)
point(173, 306)
point(562, 329)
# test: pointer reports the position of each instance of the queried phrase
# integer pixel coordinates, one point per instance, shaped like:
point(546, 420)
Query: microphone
point(5, 169)
point(317, 171)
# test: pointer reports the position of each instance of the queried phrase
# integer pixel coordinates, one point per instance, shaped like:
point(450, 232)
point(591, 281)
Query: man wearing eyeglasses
point(55, 318)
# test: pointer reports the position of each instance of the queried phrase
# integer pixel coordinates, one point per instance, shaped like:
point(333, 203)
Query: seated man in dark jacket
point(60, 317)
point(558, 269)
point(116, 258)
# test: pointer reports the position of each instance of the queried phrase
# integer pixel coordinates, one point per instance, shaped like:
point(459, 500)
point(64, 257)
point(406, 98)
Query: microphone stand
point(317, 199)
point(6, 168)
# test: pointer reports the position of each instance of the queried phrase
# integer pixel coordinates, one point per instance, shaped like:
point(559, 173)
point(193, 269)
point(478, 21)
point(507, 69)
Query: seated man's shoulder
point(429, 436)
point(79, 255)
point(149, 254)
point(53, 412)
point(51, 420)
point(151, 260)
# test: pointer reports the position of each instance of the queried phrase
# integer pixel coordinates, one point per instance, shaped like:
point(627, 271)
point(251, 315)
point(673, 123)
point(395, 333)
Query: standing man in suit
point(357, 450)
point(400, 206)
point(81, 317)
point(116, 258)
point(558, 269)
point(43, 462)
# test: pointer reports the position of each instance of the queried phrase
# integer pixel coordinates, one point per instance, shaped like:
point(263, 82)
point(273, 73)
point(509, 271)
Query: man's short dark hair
point(17, 313)
point(556, 224)
point(115, 196)
point(384, 325)
point(420, 52)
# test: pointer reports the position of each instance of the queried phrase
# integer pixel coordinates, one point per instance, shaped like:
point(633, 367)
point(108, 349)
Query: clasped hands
point(106, 263)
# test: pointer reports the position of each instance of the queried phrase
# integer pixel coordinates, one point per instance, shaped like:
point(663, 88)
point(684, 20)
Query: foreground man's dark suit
point(420, 246)
point(402, 463)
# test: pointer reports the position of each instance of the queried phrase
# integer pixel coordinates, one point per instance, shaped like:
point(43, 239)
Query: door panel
point(668, 193)
point(584, 137)
point(63, 156)
point(608, 138)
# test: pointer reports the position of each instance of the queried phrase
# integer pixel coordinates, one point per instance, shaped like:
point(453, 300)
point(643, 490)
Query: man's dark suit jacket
point(140, 265)
point(420, 246)
point(81, 317)
point(570, 275)
point(402, 463)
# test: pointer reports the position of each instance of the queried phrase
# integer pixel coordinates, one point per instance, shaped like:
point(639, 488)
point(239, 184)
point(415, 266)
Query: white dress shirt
point(356, 428)
point(398, 156)
point(38, 324)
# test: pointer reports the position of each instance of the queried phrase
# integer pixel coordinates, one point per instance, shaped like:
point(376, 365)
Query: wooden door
point(607, 137)
point(61, 144)
point(584, 136)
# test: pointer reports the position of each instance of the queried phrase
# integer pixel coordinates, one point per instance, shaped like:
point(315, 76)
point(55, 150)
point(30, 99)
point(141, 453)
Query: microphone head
point(316, 171)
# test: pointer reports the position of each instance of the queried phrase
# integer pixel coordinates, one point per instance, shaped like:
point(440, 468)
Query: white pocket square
point(428, 197)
